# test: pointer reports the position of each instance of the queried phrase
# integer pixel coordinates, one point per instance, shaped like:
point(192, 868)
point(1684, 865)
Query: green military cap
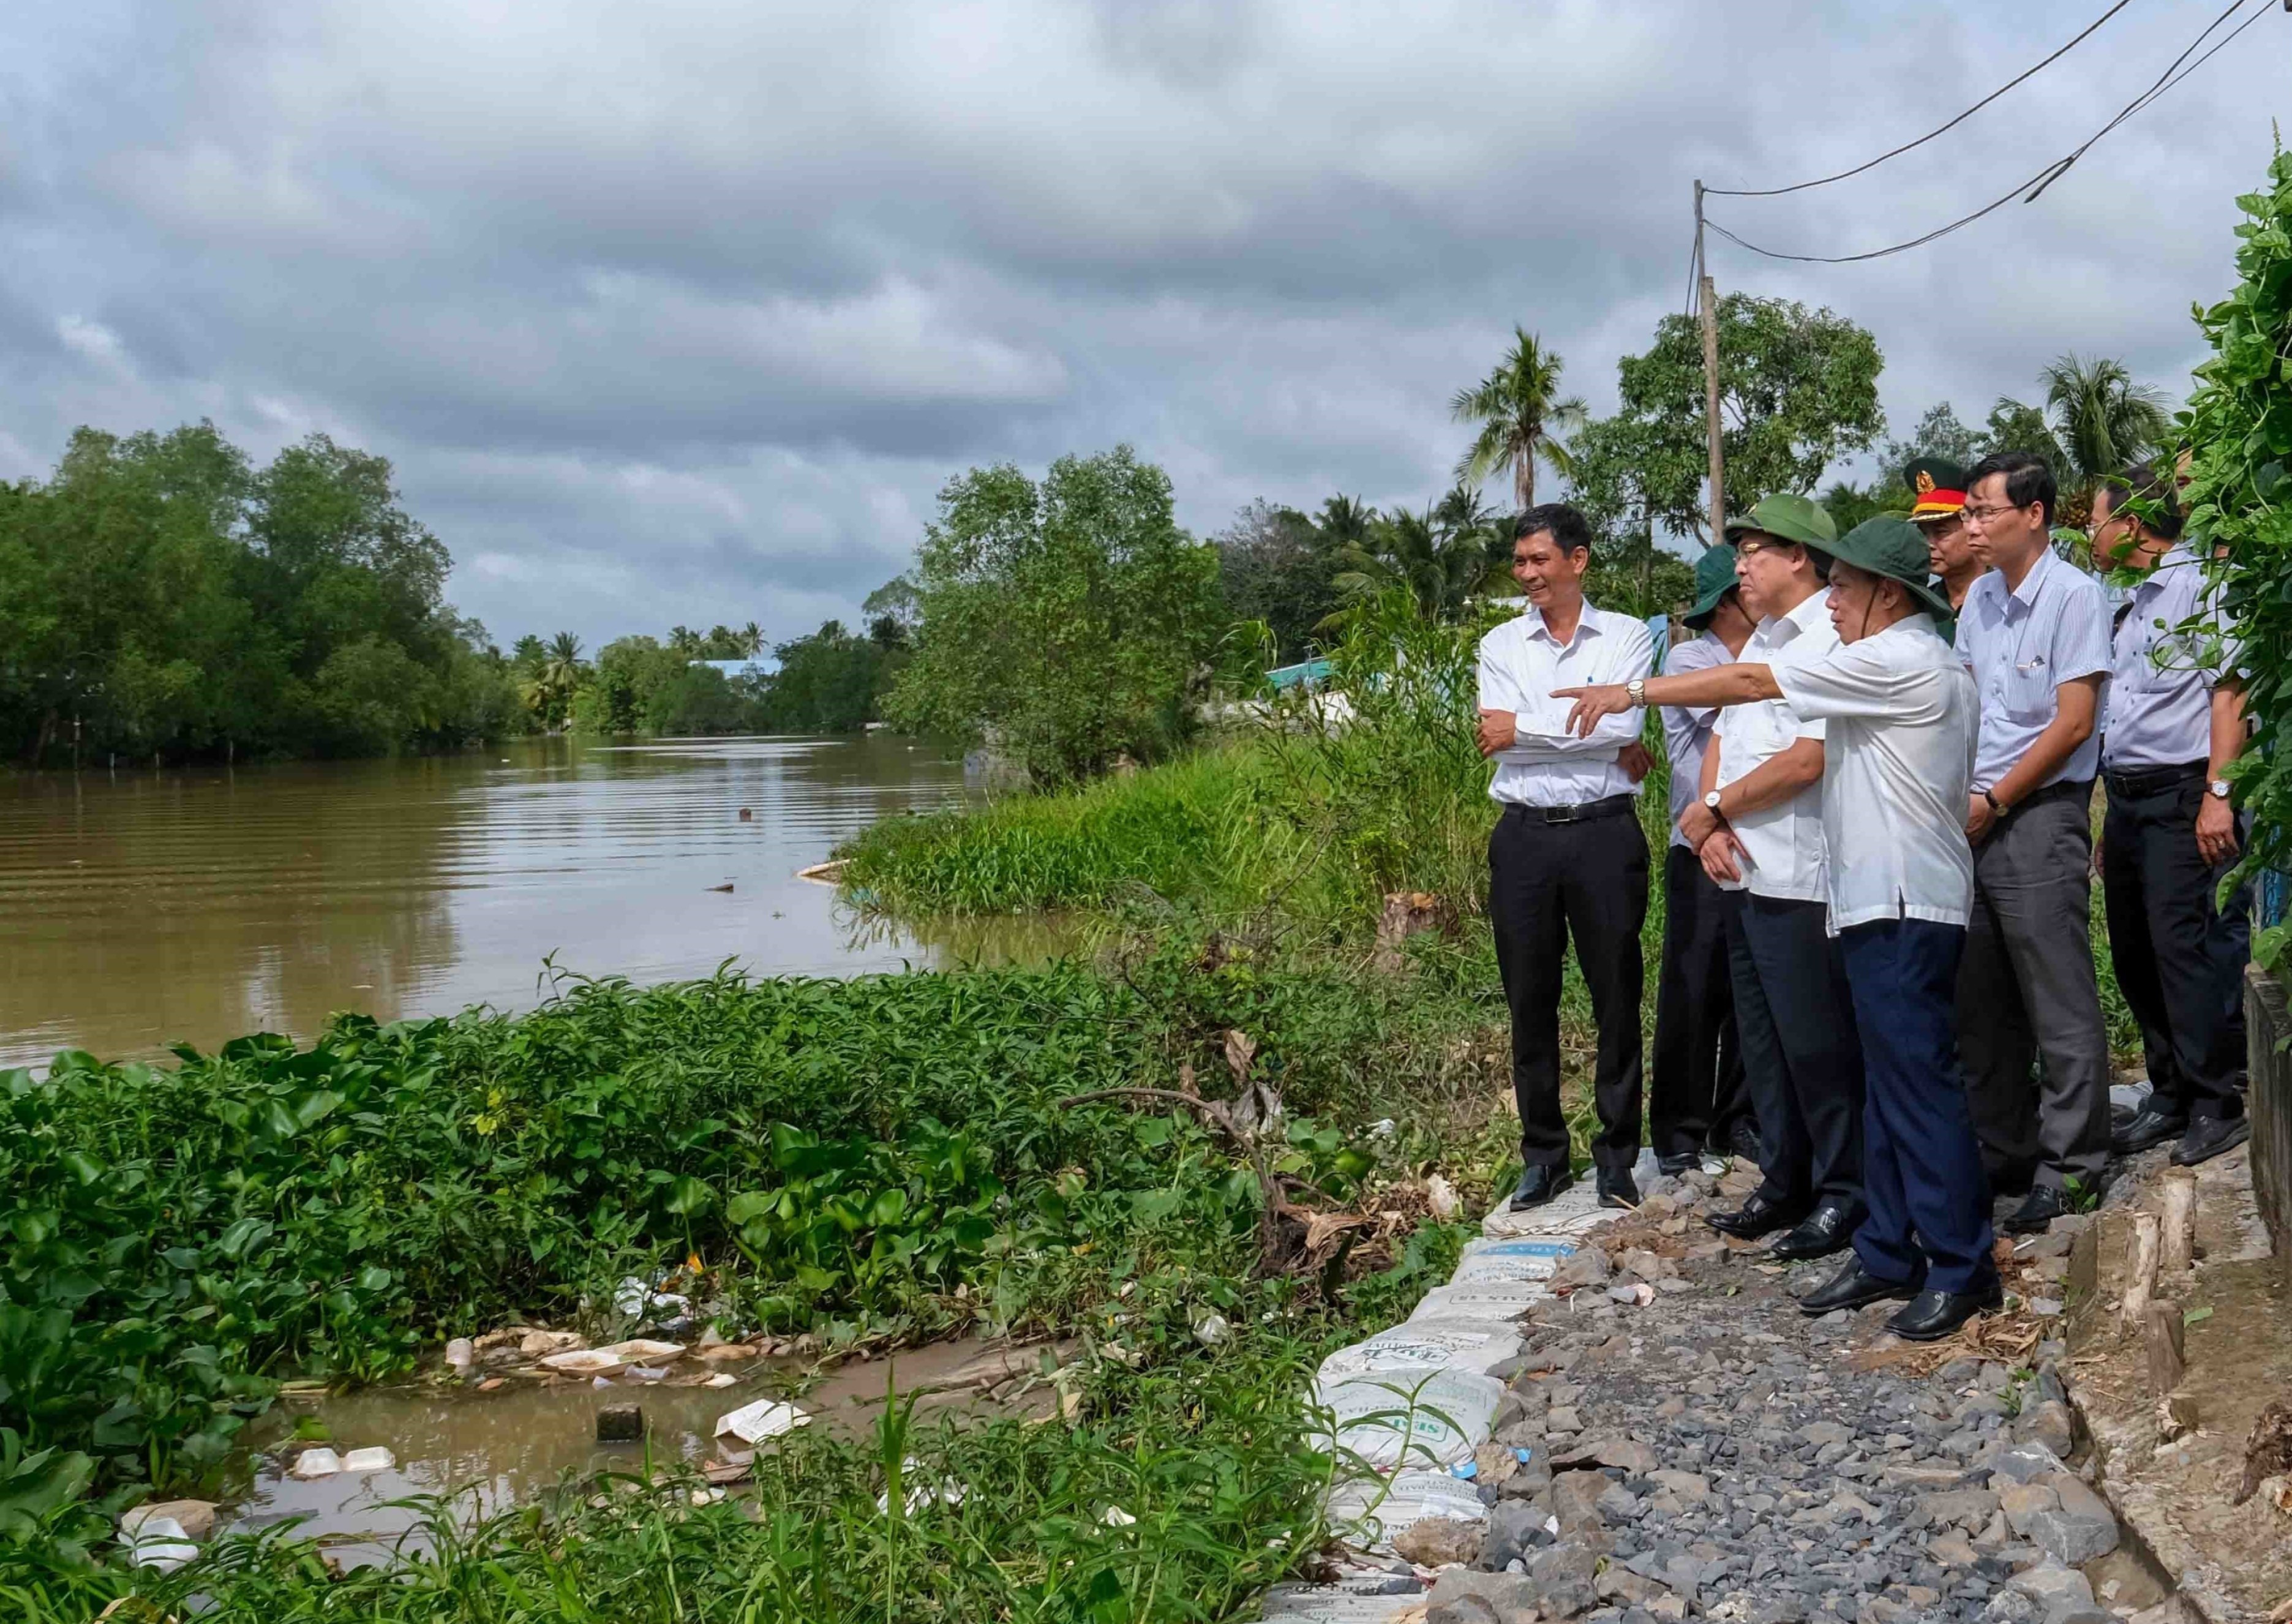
point(1714, 579)
point(1788, 518)
point(1892, 547)
point(1937, 489)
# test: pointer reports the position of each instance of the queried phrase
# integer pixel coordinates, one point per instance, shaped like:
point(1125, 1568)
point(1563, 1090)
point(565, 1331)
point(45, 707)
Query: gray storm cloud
point(683, 312)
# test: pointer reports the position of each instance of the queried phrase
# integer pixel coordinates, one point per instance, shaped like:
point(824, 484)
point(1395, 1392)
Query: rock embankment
point(1673, 1439)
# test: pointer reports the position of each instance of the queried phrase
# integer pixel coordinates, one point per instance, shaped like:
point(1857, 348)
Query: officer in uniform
point(1938, 507)
point(2176, 723)
point(1695, 1094)
point(1897, 759)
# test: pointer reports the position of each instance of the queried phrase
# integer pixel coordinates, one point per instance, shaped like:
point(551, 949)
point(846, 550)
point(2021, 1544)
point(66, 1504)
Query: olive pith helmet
point(1893, 548)
point(1788, 518)
point(1937, 489)
point(1714, 579)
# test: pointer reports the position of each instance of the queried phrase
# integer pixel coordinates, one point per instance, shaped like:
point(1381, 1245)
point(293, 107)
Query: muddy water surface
point(515, 1444)
point(147, 907)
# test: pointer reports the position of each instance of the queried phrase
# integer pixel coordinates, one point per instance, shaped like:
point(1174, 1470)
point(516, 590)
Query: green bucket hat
point(1714, 579)
point(1894, 548)
point(1789, 518)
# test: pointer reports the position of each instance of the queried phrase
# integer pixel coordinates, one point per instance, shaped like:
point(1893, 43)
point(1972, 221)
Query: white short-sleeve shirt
point(1522, 665)
point(2022, 646)
point(1782, 843)
point(1897, 767)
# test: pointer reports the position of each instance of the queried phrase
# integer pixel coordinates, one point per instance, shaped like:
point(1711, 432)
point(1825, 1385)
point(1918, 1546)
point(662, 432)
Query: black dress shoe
point(2208, 1136)
point(1933, 1315)
point(1617, 1188)
point(1673, 1166)
point(1538, 1183)
point(1743, 1139)
point(1828, 1228)
point(2150, 1125)
point(2035, 1215)
point(2010, 1181)
point(1854, 1287)
point(1755, 1218)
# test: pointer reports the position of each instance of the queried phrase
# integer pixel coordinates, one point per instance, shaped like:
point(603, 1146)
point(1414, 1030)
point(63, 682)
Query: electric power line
point(1777, 191)
point(2037, 184)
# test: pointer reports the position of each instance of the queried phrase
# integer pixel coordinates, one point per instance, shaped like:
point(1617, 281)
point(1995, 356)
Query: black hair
point(2156, 491)
point(1570, 529)
point(2029, 478)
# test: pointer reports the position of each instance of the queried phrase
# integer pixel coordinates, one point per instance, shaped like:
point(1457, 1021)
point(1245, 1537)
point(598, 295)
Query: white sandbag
point(1503, 1302)
point(1567, 1215)
point(1435, 1421)
point(1477, 1345)
point(1510, 1262)
point(1369, 1511)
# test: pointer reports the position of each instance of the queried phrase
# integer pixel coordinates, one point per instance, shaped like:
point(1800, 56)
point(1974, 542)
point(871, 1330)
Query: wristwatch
point(1711, 802)
point(1637, 688)
point(2217, 789)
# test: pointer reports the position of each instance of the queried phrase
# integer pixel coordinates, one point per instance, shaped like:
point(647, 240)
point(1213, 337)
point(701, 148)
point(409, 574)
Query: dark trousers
point(1547, 883)
point(2026, 989)
point(1695, 1089)
point(1921, 1162)
point(1800, 1053)
point(2162, 931)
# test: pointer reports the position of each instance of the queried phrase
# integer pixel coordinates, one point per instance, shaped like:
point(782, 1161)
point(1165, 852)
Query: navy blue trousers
point(1921, 1162)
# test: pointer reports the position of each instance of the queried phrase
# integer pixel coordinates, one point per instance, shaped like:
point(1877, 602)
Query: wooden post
point(2141, 1277)
point(2177, 1248)
point(2161, 1334)
point(1707, 302)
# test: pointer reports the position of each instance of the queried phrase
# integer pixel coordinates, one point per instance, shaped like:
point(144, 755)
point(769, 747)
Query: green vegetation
point(164, 597)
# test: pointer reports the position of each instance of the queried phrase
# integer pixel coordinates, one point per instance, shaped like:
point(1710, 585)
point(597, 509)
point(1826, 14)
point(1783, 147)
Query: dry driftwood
point(2177, 1243)
point(2140, 1279)
point(2161, 1334)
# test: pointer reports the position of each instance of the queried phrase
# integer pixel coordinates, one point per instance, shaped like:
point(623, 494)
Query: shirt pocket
point(2030, 690)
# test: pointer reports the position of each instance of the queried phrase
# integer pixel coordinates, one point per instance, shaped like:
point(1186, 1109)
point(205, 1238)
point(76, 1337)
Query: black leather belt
point(1614, 806)
point(2078, 790)
point(2153, 781)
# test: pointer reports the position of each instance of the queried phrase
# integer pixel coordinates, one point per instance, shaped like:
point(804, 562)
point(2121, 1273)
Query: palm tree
point(1345, 518)
point(1521, 416)
point(1438, 568)
point(2104, 420)
point(749, 641)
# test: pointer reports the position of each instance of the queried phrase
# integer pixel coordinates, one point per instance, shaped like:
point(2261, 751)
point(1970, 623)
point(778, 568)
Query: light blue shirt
point(2160, 712)
point(2022, 646)
point(1687, 732)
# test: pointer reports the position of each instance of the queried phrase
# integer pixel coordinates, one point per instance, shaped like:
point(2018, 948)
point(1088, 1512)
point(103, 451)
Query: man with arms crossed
point(1696, 1094)
point(1898, 758)
point(1567, 857)
point(1758, 828)
point(2035, 633)
point(2175, 722)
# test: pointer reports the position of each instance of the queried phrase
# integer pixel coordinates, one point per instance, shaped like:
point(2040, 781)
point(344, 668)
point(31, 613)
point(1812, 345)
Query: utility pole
point(1708, 303)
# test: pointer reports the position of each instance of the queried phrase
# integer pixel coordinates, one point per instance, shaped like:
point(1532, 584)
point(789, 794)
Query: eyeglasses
point(1983, 515)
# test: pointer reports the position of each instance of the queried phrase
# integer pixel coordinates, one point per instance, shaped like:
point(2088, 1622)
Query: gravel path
point(1676, 1441)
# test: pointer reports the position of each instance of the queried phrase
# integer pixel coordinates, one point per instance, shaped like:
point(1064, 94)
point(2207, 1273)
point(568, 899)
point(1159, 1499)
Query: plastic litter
point(161, 1543)
point(638, 1350)
point(372, 1459)
point(752, 1424)
point(313, 1463)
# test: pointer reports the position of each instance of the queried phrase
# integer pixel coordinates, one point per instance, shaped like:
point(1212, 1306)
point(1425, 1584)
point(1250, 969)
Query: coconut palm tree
point(1520, 417)
point(2102, 418)
point(1438, 567)
point(749, 641)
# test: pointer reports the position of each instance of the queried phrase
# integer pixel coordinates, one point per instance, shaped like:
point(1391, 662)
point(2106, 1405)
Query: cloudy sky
point(683, 312)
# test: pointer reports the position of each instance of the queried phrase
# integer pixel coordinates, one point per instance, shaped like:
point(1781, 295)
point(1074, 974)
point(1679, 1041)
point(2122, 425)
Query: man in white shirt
point(1897, 759)
point(2176, 723)
point(2035, 632)
point(1567, 857)
point(1758, 828)
point(1697, 1096)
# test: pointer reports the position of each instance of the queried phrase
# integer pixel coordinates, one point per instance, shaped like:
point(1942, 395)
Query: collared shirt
point(1897, 770)
point(2022, 646)
point(1782, 843)
point(1686, 732)
point(1520, 666)
point(2160, 688)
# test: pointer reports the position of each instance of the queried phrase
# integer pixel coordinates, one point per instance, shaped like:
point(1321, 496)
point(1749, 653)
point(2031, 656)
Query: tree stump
point(2162, 1334)
point(2141, 1277)
point(2177, 1245)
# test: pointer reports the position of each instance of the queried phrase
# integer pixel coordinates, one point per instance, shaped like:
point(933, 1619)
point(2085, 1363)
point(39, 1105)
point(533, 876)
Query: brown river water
point(143, 908)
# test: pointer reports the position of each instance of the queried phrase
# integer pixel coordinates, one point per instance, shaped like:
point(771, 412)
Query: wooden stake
point(2177, 1250)
point(2161, 1334)
point(1707, 302)
point(2140, 1279)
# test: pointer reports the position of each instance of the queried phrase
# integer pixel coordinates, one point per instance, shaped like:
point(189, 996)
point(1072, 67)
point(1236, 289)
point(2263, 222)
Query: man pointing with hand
point(1898, 758)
